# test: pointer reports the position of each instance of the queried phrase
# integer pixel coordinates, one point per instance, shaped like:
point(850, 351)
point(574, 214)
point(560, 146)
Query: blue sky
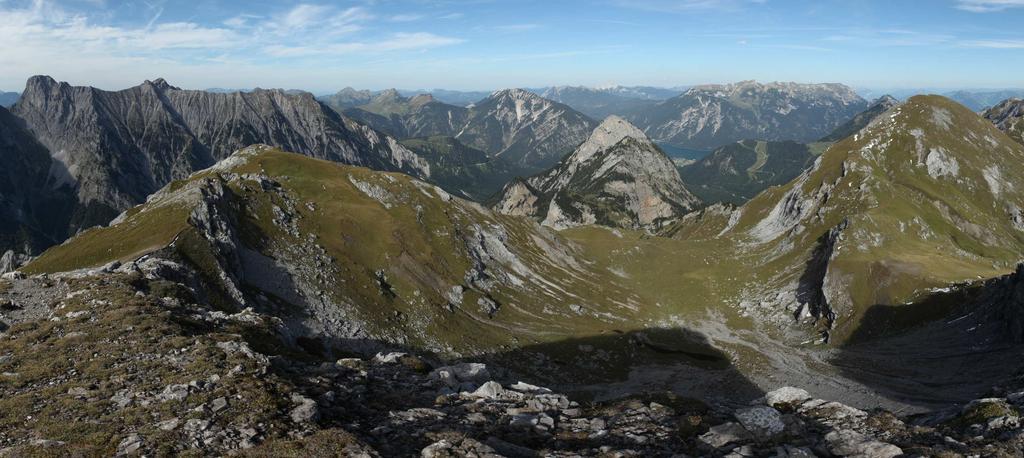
point(483, 45)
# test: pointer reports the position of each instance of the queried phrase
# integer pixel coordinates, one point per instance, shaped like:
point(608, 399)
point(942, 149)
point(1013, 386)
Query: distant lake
point(684, 153)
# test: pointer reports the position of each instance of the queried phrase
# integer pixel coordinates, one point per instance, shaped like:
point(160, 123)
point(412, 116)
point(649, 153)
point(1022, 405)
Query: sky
point(491, 44)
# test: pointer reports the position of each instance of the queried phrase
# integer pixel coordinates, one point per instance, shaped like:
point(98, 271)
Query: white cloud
point(685, 5)
point(397, 42)
point(988, 6)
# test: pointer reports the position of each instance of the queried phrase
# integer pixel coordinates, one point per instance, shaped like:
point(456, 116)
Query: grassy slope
point(882, 188)
point(419, 244)
point(629, 281)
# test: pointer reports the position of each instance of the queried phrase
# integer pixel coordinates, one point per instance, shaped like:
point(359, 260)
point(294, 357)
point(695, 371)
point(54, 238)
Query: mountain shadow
point(950, 346)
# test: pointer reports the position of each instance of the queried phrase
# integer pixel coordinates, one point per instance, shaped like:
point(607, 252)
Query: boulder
point(850, 443)
point(489, 390)
point(762, 422)
point(449, 448)
point(306, 411)
point(786, 397)
point(389, 358)
point(724, 434)
point(455, 375)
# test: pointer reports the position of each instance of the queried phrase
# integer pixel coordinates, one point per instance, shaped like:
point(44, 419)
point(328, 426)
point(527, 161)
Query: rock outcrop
point(618, 178)
point(1008, 116)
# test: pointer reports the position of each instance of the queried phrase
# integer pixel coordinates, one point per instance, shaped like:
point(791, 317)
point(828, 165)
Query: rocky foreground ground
point(126, 361)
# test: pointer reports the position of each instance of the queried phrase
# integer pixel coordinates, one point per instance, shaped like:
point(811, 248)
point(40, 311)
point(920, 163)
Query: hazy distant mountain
point(1008, 116)
point(460, 98)
point(980, 100)
point(408, 117)
point(8, 98)
point(599, 103)
point(709, 116)
point(618, 177)
point(347, 98)
point(223, 90)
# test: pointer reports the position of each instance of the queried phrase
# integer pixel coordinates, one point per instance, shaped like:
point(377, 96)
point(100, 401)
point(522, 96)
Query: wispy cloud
point(398, 42)
point(988, 6)
point(888, 37)
point(994, 44)
point(516, 27)
point(685, 5)
point(406, 18)
point(321, 18)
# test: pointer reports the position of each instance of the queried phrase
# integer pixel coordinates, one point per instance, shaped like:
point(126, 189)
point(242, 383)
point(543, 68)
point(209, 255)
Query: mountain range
point(117, 148)
point(514, 125)
point(364, 294)
point(920, 199)
point(706, 117)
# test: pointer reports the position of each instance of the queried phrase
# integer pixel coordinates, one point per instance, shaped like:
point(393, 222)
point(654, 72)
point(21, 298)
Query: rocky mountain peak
point(611, 131)
point(161, 85)
point(617, 178)
point(886, 100)
point(516, 94)
point(37, 87)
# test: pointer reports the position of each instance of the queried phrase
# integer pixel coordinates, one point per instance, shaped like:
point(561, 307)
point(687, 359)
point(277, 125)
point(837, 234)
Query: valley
point(858, 268)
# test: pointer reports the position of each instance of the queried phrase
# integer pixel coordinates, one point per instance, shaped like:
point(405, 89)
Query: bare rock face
point(119, 147)
point(1008, 116)
point(35, 200)
point(618, 177)
point(710, 116)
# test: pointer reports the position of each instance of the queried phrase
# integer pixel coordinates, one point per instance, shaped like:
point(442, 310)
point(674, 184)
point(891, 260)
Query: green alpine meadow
point(693, 228)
